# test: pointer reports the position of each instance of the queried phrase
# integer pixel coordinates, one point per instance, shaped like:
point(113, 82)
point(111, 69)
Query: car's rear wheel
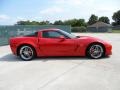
point(26, 53)
point(95, 51)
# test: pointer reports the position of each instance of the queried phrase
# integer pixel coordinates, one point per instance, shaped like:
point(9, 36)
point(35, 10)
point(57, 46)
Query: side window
point(51, 34)
point(34, 34)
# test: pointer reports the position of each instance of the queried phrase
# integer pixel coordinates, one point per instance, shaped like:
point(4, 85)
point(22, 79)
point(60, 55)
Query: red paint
point(58, 46)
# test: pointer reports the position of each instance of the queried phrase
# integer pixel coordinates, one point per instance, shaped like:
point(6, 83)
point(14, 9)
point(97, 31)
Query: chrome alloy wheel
point(96, 51)
point(26, 53)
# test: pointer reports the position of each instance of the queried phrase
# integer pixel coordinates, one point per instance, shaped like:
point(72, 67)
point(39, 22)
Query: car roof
point(53, 29)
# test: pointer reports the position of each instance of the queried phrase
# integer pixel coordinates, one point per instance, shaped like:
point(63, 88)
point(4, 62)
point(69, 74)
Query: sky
point(12, 11)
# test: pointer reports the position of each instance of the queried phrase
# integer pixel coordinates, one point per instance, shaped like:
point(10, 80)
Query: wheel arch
point(18, 48)
point(95, 43)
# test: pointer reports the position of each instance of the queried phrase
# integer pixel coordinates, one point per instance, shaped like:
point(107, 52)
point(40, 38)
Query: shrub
point(79, 29)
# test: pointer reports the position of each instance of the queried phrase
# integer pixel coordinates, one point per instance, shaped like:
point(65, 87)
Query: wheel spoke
point(96, 51)
point(26, 52)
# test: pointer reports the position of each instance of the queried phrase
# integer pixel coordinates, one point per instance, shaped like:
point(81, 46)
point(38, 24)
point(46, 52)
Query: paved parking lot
point(71, 73)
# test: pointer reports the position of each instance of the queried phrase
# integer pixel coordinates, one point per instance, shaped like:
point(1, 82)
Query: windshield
point(68, 34)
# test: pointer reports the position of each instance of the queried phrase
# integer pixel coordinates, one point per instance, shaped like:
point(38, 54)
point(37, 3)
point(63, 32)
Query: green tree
point(75, 22)
point(32, 23)
point(71, 22)
point(59, 22)
point(81, 22)
point(44, 23)
point(93, 19)
point(104, 19)
point(23, 23)
point(116, 18)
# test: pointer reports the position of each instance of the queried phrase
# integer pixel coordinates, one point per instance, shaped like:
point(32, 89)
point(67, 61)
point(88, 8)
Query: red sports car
point(56, 42)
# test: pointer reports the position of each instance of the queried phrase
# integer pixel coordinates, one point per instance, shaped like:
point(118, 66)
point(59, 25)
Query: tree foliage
point(93, 19)
point(79, 29)
point(72, 22)
point(75, 22)
point(116, 18)
point(104, 19)
point(59, 22)
point(33, 23)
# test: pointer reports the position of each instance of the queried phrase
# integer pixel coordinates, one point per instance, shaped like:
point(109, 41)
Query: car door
point(54, 43)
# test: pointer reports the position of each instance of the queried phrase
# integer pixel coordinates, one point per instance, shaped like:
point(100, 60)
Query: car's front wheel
point(95, 51)
point(26, 53)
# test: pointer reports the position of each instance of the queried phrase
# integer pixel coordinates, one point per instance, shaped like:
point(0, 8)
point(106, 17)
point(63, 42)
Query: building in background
point(99, 27)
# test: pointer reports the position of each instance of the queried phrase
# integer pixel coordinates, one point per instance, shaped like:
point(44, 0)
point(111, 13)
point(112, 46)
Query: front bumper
point(108, 49)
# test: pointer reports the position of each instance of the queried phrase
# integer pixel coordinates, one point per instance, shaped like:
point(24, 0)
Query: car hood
point(92, 39)
point(88, 37)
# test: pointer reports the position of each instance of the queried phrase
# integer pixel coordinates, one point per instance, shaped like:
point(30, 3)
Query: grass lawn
point(115, 31)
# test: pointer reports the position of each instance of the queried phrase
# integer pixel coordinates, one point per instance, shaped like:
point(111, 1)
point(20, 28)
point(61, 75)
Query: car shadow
point(10, 58)
point(13, 58)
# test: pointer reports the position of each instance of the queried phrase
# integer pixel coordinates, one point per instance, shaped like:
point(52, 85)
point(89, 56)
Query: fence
point(11, 31)
point(116, 27)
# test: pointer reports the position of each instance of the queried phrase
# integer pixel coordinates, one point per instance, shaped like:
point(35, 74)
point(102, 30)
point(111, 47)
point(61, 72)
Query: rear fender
point(34, 46)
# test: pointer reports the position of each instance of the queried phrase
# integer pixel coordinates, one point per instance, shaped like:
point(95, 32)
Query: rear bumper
point(13, 49)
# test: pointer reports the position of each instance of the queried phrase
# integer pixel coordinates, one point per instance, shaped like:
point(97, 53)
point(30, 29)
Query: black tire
point(95, 51)
point(26, 52)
